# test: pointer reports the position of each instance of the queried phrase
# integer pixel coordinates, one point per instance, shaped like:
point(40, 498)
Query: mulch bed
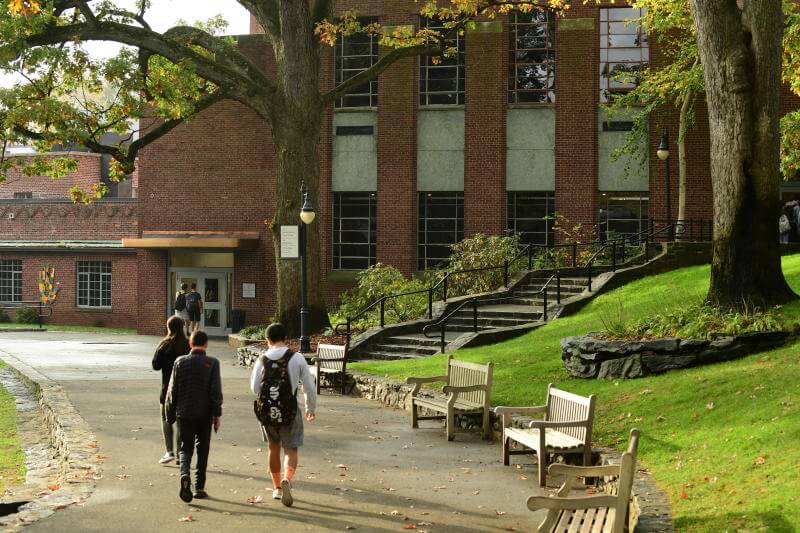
point(294, 344)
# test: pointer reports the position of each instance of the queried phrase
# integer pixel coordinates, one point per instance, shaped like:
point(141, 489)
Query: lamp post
point(663, 154)
point(307, 216)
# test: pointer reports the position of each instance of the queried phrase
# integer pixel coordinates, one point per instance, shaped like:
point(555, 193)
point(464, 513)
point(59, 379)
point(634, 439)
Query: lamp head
point(307, 214)
point(663, 147)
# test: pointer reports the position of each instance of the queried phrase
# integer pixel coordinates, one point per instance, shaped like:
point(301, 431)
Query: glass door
point(213, 288)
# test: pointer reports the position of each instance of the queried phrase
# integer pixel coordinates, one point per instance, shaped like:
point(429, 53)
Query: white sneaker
point(277, 494)
point(286, 497)
point(169, 456)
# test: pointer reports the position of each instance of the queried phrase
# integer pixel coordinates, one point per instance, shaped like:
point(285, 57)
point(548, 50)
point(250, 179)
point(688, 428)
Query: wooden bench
point(331, 360)
point(565, 429)
point(468, 387)
point(604, 512)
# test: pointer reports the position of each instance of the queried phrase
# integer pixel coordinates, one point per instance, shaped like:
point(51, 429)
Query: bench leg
point(344, 384)
point(414, 415)
point(506, 455)
point(451, 422)
point(542, 456)
point(587, 456)
point(487, 425)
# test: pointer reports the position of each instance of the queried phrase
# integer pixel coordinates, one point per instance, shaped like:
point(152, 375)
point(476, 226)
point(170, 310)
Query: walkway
point(362, 468)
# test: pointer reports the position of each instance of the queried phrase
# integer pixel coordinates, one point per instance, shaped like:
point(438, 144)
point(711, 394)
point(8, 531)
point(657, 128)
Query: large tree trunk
point(683, 126)
point(296, 122)
point(740, 48)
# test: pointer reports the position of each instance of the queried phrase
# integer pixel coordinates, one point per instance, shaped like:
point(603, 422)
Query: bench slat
point(588, 521)
point(554, 439)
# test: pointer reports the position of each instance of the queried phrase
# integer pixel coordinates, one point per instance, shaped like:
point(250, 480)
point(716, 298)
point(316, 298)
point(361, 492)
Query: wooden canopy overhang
point(197, 240)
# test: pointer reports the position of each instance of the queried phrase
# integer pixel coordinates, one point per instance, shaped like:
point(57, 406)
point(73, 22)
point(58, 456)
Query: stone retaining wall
point(590, 356)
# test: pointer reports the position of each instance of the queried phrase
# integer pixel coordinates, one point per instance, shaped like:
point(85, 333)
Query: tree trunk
point(296, 119)
point(683, 126)
point(740, 48)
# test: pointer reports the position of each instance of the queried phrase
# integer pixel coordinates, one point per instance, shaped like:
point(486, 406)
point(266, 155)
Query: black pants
point(195, 433)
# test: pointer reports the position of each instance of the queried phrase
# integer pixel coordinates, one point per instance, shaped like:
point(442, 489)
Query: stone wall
point(591, 356)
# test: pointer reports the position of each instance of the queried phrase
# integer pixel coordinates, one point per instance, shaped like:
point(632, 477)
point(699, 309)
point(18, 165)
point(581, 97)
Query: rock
point(692, 344)
point(722, 342)
point(627, 367)
point(580, 368)
point(658, 363)
point(667, 344)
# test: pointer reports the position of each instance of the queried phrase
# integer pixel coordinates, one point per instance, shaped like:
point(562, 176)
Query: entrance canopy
point(207, 240)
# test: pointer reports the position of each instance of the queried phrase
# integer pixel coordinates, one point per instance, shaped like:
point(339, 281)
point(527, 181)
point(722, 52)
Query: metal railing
point(442, 322)
point(43, 310)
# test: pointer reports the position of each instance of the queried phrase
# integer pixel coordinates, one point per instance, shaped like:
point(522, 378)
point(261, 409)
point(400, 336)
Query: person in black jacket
point(174, 345)
point(194, 399)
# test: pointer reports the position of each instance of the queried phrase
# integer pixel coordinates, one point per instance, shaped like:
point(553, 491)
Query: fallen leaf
point(684, 495)
point(92, 445)
point(341, 466)
point(410, 526)
point(499, 513)
point(424, 523)
point(660, 418)
point(349, 527)
point(395, 513)
point(54, 487)
point(252, 500)
point(187, 518)
point(509, 528)
point(760, 460)
point(710, 405)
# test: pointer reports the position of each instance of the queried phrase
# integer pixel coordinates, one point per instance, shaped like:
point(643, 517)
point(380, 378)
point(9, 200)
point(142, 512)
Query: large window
point(354, 54)
point(10, 280)
point(624, 50)
point(442, 83)
point(94, 283)
point(622, 214)
point(532, 57)
point(354, 231)
point(531, 216)
point(441, 224)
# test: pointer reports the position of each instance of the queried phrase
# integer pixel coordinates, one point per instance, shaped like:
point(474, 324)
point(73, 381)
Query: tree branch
point(374, 71)
point(266, 13)
point(323, 9)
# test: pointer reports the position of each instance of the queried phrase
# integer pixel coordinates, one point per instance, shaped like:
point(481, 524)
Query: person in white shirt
point(288, 437)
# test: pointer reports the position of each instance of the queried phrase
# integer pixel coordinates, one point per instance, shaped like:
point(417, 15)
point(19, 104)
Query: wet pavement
point(362, 467)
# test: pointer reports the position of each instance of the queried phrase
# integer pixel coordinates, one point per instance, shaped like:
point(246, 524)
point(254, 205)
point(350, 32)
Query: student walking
point(180, 305)
point(194, 307)
point(174, 345)
point(194, 399)
point(275, 381)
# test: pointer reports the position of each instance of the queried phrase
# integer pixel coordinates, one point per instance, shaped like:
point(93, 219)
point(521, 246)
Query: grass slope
point(77, 329)
point(12, 459)
point(722, 440)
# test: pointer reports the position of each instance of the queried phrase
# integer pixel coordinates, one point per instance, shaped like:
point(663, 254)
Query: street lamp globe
point(307, 214)
point(663, 147)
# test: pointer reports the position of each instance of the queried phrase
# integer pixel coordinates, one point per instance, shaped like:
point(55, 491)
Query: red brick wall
point(397, 151)
point(48, 220)
point(123, 312)
point(577, 99)
point(486, 102)
point(152, 292)
point(87, 174)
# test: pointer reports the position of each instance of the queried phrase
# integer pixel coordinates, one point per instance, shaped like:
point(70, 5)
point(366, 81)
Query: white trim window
point(10, 280)
point(94, 284)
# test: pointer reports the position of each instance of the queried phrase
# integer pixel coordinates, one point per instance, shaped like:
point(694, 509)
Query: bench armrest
point(449, 389)
point(320, 360)
point(583, 471)
point(541, 424)
point(506, 412)
point(581, 502)
point(417, 382)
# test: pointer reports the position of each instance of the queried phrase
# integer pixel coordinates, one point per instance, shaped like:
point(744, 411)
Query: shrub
point(27, 315)
point(254, 332)
point(4, 318)
point(481, 251)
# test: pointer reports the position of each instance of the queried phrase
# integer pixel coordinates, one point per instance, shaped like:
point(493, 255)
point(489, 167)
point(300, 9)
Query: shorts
point(183, 314)
point(290, 436)
point(194, 315)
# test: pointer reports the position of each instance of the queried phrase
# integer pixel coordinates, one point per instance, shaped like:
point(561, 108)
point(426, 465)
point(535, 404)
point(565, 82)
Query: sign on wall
point(290, 242)
point(248, 290)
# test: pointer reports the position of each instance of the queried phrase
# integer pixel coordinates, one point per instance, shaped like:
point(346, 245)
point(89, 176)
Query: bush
point(695, 321)
point(481, 251)
point(4, 318)
point(254, 332)
point(27, 315)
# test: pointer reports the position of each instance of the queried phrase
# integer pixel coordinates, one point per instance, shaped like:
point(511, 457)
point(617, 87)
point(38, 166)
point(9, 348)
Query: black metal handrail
point(44, 310)
point(442, 322)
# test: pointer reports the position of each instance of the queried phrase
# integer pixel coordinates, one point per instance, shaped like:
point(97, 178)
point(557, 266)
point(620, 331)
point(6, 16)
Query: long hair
point(175, 331)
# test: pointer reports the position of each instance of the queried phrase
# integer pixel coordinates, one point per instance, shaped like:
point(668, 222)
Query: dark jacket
point(164, 358)
point(195, 390)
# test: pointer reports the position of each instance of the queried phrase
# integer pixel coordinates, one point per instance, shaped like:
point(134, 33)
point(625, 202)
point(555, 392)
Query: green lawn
point(722, 440)
point(78, 329)
point(12, 459)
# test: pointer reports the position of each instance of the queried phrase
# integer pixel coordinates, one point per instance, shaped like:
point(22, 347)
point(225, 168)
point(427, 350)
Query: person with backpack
point(194, 307)
point(180, 305)
point(194, 400)
point(275, 382)
point(174, 345)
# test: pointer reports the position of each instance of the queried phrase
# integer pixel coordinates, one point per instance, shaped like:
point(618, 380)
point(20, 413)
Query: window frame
point(426, 66)
point(336, 232)
point(514, 91)
point(643, 199)
point(426, 261)
point(85, 277)
point(512, 203)
point(606, 90)
point(339, 70)
point(14, 279)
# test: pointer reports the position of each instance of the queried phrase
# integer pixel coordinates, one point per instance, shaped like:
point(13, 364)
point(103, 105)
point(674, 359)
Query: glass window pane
point(10, 280)
point(354, 54)
point(623, 50)
point(442, 83)
point(354, 230)
point(532, 61)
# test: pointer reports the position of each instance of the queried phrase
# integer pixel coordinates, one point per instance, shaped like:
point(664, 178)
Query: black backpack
point(193, 301)
point(180, 302)
point(276, 405)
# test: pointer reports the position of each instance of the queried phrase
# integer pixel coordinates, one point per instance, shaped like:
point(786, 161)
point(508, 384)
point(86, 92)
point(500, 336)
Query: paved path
point(394, 477)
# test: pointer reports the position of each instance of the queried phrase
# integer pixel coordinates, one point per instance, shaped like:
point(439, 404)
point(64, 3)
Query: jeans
point(172, 434)
point(195, 433)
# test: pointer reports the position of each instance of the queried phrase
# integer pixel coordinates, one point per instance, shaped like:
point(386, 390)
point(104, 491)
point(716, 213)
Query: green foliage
point(695, 321)
point(27, 315)
point(481, 251)
point(254, 332)
point(4, 318)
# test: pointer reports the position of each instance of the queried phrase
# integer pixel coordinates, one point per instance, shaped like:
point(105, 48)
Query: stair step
point(464, 328)
point(491, 323)
point(388, 356)
point(405, 348)
point(487, 314)
point(412, 341)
